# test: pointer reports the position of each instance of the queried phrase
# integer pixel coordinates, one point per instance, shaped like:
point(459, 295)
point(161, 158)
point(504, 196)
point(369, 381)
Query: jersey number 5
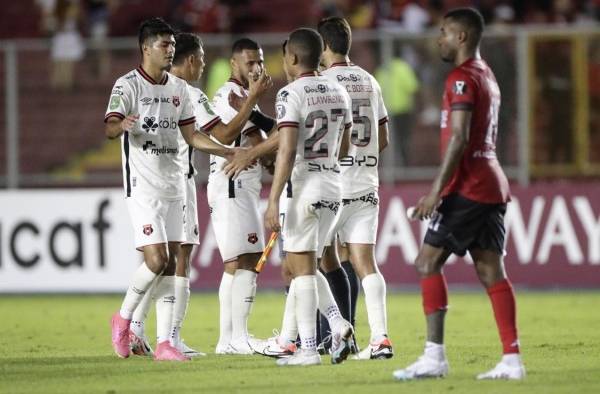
point(322, 150)
point(359, 120)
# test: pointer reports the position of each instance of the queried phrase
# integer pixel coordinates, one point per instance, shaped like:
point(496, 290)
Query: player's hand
point(259, 83)
point(426, 206)
point(272, 217)
point(129, 121)
point(239, 160)
point(236, 101)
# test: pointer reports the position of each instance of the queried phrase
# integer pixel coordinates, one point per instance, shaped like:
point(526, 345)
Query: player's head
point(157, 42)
point(336, 34)
point(189, 56)
point(461, 30)
point(303, 51)
point(247, 60)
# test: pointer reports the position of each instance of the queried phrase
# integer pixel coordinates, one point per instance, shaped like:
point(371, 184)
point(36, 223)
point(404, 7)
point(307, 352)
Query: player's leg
point(243, 291)
point(354, 282)
point(140, 345)
point(434, 292)
point(229, 269)
point(362, 256)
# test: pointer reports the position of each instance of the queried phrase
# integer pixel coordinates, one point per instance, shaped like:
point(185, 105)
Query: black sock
point(340, 287)
point(354, 289)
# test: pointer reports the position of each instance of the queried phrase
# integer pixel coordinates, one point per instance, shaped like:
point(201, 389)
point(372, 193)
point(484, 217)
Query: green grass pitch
point(61, 344)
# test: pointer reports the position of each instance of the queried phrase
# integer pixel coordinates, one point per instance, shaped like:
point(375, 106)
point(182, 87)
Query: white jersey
point(359, 168)
point(320, 109)
point(217, 177)
point(206, 119)
point(150, 150)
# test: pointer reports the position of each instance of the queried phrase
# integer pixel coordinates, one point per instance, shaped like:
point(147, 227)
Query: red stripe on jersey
point(186, 121)
point(207, 127)
point(342, 64)
point(287, 124)
point(249, 130)
point(114, 114)
point(383, 120)
point(148, 78)
point(313, 73)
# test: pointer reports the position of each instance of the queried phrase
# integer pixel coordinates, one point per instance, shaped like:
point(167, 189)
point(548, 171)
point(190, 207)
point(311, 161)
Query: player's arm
point(246, 158)
point(461, 127)
point(115, 127)
point(227, 133)
point(262, 121)
point(345, 145)
point(283, 169)
point(203, 142)
point(384, 135)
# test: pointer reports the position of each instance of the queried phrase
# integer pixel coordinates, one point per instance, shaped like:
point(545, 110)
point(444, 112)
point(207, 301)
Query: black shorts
point(462, 224)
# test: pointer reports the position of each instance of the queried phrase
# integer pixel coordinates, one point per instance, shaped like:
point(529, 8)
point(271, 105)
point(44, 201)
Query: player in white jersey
point(234, 208)
point(356, 223)
point(188, 64)
point(149, 109)
point(313, 123)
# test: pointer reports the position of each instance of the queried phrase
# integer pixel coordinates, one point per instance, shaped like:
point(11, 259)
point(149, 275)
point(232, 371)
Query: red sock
point(435, 293)
point(505, 311)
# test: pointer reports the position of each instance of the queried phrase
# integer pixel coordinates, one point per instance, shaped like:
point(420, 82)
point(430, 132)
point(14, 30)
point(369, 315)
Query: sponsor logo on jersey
point(146, 100)
point(252, 238)
point(320, 88)
point(148, 229)
point(176, 101)
point(349, 78)
point(150, 148)
point(280, 111)
point(151, 123)
point(460, 87)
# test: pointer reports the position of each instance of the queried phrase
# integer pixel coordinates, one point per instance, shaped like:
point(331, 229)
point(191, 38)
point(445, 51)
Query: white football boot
point(509, 368)
point(188, 351)
point(432, 364)
point(302, 357)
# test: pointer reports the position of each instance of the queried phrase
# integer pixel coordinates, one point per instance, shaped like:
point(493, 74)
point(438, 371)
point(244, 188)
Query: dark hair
point(336, 34)
point(186, 44)
point(470, 19)
point(307, 45)
point(244, 44)
point(151, 28)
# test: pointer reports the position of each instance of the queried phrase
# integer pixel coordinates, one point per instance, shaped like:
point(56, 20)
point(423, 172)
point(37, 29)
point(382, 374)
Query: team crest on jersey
point(280, 111)
point(148, 229)
point(460, 87)
point(176, 101)
point(252, 238)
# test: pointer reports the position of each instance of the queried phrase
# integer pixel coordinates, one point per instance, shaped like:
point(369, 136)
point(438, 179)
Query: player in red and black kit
point(467, 201)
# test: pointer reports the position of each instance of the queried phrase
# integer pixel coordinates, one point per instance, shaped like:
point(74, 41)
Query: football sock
point(354, 289)
point(505, 311)
point(289, 326)
point(141, 312)
point(165, 301)
point(243, 290)
point(306, 310)
point(435, 293)
point(326, 302)
point(435, 351)
point(225, 309)
point(375, 291)
point(140, 283)
point(182, 298)
point(340, 287)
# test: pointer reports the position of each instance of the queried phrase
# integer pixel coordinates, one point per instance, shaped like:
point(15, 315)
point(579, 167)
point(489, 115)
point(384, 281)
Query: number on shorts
point(434, 224)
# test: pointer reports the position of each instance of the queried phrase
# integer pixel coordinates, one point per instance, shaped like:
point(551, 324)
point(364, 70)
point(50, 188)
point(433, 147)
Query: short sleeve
point(187, 110)
point(226, 112)
point(460, 91)
point(381, 110)
point(120, 102)
point(287, 108)
point(206, 115)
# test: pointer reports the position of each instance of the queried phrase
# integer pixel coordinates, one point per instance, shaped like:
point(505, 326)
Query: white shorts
point(190, 216)
point(308, 224)
point(237, 223)
point(358, 219)
point(155, 220)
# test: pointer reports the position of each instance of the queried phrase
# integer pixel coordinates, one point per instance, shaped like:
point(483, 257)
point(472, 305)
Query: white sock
point(225, 309)
point(306, 310)
point(141, 312)
point(140, 283)
point(165, 301)
point(327, 305)
point(435, 351)
point(182, 298)
point(243, 290)
point(289, 326)
point(512, 359)
point(374, 288)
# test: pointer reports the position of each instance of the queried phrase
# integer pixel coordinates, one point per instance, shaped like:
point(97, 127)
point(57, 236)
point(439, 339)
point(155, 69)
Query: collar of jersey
point(148, 78)
point(313, 73)
point(236, 81)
